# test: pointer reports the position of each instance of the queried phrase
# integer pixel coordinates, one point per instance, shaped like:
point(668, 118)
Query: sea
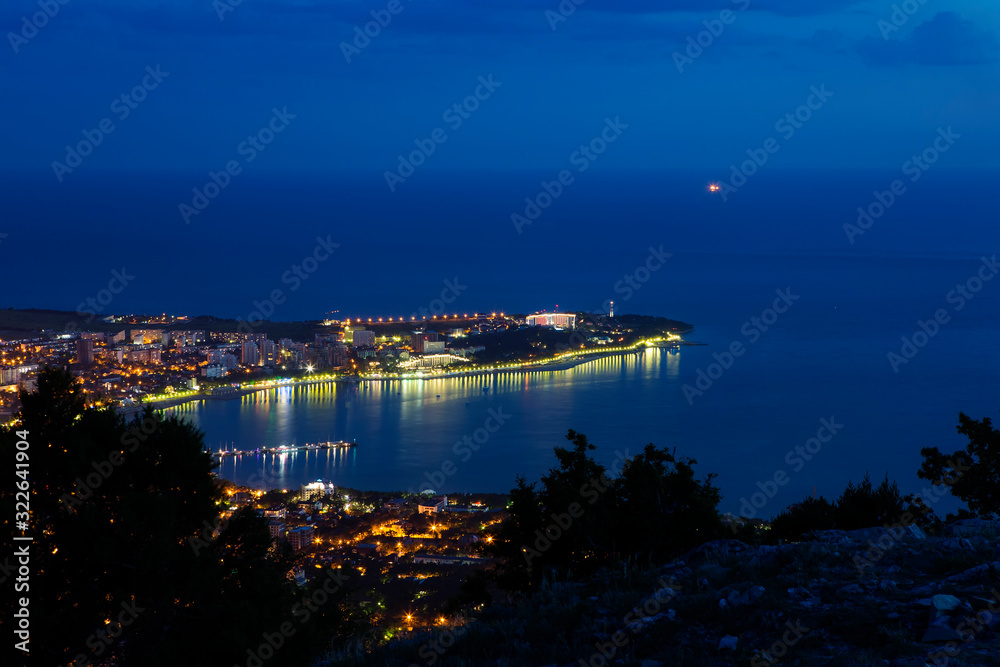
point(827, 347)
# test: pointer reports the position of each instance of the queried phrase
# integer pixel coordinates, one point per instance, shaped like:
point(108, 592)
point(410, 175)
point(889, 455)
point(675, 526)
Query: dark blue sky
point(559, 79)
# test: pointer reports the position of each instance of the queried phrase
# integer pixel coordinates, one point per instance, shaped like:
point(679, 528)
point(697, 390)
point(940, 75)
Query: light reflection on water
point(406, 429)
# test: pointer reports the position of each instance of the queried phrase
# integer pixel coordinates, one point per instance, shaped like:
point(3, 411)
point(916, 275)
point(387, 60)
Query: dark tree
point(578, 519)
point(971, 474)
point(132, 563)
point(862, 506)
point(661, 510)
point(804, 517)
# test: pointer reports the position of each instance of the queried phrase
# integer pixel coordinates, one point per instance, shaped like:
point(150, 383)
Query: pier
point(284, 449)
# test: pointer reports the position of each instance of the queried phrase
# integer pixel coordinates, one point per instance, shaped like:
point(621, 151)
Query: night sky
point(895, 78)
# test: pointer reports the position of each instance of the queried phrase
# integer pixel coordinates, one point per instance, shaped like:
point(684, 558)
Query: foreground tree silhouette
point(579, 519)
point(126, 568)
point(971, 474)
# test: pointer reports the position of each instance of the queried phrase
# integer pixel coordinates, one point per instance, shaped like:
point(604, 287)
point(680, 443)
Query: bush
point(861, 506)
point(804, 517)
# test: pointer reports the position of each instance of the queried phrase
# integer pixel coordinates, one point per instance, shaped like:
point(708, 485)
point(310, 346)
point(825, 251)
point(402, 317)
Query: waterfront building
point(560, 320)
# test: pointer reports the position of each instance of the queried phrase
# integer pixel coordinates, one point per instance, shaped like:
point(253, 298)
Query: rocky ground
point(867, 597)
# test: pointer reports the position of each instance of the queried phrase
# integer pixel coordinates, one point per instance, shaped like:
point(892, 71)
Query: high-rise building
point(251, 353)
point(268, 353)
point(362, 338)
point(417, 340)
point(85, 353)
point(301, 537)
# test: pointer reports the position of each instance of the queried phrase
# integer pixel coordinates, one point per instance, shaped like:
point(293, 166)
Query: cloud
point(947, 39)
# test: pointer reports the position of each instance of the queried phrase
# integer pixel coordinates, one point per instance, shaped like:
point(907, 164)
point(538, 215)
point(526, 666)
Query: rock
point(728, 642)
point(830, 536)
point(715, 552)
point(916, 532)
point(977, 572)
point(755, 593)
point(972, 528)
point(851, 589)
point(945, 602)
point(735, 599)
point(940, 631)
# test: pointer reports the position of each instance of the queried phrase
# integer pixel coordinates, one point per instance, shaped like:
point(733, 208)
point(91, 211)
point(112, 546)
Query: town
point(416, 551)
point(133, 360)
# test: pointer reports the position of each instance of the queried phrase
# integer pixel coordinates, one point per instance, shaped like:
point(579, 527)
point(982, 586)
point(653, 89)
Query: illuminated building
point(362, 338)
point(561, 320)
point(301, 537)
point(432, 505)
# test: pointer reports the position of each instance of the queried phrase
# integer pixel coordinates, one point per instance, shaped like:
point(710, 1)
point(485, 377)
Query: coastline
point(554, 365)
